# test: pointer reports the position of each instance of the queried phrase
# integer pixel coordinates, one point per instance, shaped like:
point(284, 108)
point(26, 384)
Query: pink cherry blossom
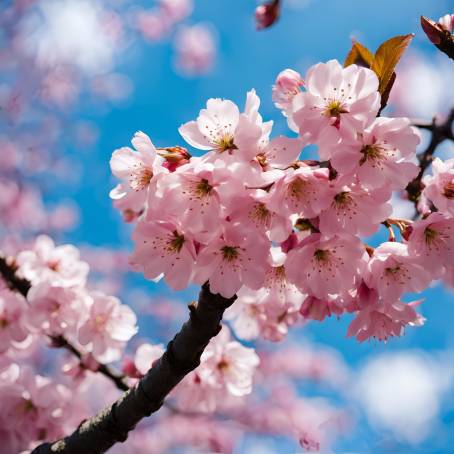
point(253, 212)
point(12, 319)
point(163, 248)
point(432, 241)
point(191, 196)
point(355, 210)
point(108, 327)
point(439, 187)
point(37, 403)
point(381, 156)
point(304, 191)
point(177, 10)
point(269, 311)
point(196, 49)
point(447, 22)
point(136, 169)
point(59, 264)
point(227, 364)
point(288, 84)
point(383, 320)
point(238, 257)
point(221, 127)
point(339, 100)
point(55, 310)
point(318, 309)
point(392, 271)
point(323, 266)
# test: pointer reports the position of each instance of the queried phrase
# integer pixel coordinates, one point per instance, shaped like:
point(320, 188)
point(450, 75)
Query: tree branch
point(22, 286)
point(182, 356)
point(440, 131)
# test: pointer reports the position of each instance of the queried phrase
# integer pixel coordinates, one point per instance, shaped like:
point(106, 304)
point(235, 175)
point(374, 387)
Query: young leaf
point(387, 57)
point(359, 55)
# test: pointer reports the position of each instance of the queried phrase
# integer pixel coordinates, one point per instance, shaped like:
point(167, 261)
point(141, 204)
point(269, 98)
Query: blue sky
point(162, 100)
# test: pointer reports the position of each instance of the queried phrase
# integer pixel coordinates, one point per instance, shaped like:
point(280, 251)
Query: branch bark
point(112, 425)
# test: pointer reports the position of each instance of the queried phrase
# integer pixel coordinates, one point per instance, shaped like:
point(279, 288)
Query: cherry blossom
point(136, 169)
point(288, 84)
point(59, 264)
point(305, 191)
point(383, 320)
point(392, 271)
point(323, 266)
point(108, 327)
point(55, 310)
point(12, 319)
point(162, 248)
point(221, 127)
point(228, 364)
point(432, 241)
point(270, 311)
point(439, 187)
point(381, 156)
point(237, 258)
point(355, 210)
point(196, 49)
point(337, 100)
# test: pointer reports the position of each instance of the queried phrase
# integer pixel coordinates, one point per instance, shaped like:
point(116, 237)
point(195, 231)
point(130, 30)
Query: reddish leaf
point(387, 57)
point(359, 55)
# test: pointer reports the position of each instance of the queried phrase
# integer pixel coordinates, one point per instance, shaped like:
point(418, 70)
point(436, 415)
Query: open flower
point(337, 100)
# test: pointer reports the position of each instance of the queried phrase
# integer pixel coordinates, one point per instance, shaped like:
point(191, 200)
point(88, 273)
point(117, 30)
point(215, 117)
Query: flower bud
point(174, 157)
point(267, 14)
point(289, 80)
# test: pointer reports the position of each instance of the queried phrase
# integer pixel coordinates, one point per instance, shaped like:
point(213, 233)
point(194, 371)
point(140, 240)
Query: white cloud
point(401, 392)
point(76, 32)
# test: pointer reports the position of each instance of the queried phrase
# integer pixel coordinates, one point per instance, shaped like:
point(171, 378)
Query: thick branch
point(440, 131)
point(182, 355)
point(21, 285)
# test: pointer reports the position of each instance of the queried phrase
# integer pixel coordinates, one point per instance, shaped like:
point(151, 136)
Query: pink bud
point(267, 14)
point(174, 157)
point(289, 80)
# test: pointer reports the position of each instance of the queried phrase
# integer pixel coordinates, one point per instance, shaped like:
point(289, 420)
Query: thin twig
point(440, 131)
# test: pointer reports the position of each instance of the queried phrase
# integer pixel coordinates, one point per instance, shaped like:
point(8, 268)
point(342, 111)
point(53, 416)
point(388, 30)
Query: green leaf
point(387, 57)
point(359, 55)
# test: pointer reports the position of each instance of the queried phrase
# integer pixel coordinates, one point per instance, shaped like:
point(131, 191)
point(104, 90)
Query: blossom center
point(430, 235)
point(223, 365)
point(3, 323)
point(371, 153)
point(225, 143)
point(343, 198)
point(229, 253)
point(260, 213)
point(176, 242)
point(203, 188)
point(140, 178)
point(321, 255)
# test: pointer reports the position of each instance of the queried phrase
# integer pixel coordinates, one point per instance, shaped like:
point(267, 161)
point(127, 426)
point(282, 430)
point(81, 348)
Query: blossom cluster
point(287, 235)
point(59, 304)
